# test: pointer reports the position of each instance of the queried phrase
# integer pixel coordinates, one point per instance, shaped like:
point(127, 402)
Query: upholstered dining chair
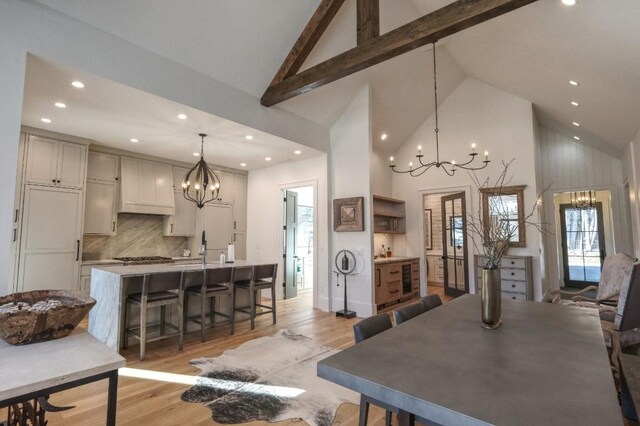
point(405, 313)
point(607, 290)
point(621, 324)
point(216, 282)
point(430, 302)
point(363, 330)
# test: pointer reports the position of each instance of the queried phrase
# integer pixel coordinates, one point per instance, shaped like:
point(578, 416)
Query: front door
point(454, 244)
point(290, 233)
point(583, 248)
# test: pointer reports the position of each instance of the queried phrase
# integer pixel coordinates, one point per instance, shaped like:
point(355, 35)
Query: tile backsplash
point(138, 235)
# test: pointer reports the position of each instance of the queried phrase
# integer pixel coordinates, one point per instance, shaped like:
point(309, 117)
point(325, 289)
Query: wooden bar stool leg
point(273, 302)
point(143, 327)
point(212, 310)
point(126, 325)
point(163, 318)
point(180, 320)
point(232, 311)
point(203, 313)
point(252, 306)
point(185, 310)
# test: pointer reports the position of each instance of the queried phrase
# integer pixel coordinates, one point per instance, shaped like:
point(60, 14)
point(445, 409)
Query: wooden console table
point(41, 369)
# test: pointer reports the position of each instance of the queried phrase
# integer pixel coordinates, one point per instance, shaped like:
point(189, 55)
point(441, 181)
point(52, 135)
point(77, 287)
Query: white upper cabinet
point(217, 224)
point(225, 195)
point(183, 223)
point(100, 211)
point(55, 163)
point(239, 203)
point(146, 187)
point(102, 167)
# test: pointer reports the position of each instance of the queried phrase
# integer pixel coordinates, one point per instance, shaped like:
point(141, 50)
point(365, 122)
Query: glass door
point(454, 247)
point(583, 248)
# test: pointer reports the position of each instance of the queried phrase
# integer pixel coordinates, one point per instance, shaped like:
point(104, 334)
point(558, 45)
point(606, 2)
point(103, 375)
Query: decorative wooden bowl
point(37, 316)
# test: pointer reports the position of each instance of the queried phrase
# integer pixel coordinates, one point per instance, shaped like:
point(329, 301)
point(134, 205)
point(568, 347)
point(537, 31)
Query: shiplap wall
point(568, 165)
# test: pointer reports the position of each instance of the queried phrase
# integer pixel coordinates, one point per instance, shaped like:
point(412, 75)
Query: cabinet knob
point(54, 181)
point(513, 285)
point(513, 273)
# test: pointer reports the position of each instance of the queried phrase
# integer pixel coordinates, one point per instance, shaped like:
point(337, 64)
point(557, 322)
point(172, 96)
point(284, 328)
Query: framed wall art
point(348, 214)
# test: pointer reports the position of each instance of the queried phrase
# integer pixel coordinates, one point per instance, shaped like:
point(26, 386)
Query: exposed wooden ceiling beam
point(312, 32)
point(368, 20)
point(430, 28)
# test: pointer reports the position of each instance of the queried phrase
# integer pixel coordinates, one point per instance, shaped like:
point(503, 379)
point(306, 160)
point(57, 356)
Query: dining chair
point(407, 312)
point(216, 282)
point(608, 288)
point(430, 302)
point(158, 290)
point(363, 330)
point(620, 327)
point(262, 277)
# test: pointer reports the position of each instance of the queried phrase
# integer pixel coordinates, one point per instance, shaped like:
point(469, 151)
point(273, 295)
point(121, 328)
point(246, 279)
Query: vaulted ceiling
point(532, 52)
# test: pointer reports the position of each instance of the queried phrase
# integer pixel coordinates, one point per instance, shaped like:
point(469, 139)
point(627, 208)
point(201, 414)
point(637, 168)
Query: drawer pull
point(394, 291)
point(513, 286)
point(513, 263)
point(513, 297)
point(513, 273)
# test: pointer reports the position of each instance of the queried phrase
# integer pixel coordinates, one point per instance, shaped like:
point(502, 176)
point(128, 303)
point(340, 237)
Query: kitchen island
point(110, 286)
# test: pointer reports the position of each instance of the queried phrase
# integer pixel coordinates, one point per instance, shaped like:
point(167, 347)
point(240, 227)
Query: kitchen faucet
point(203, 249)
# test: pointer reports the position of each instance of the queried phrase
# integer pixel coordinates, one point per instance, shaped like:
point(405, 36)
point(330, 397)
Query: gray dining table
point(546, 365)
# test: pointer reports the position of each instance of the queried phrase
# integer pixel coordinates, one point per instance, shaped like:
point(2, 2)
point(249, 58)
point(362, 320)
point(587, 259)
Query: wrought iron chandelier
point(201, 185)
point(583, 199)
point(449, 167)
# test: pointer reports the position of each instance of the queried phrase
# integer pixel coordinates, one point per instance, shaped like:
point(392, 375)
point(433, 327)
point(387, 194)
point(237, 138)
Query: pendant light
point(449, 167)
point(583, 199)
point(201, 185)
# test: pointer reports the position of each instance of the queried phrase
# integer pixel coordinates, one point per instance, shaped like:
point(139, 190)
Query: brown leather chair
point(216, 282)
point(158, 290)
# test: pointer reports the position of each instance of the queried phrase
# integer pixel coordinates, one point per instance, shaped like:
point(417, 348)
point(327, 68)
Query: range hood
point(146, 187)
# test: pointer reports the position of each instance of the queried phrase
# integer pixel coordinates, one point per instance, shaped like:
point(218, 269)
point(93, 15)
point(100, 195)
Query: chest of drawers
point(515, 274)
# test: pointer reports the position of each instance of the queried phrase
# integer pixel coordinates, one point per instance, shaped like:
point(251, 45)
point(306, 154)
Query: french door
point(290, 242)
point(454, 244)
point(583, 248)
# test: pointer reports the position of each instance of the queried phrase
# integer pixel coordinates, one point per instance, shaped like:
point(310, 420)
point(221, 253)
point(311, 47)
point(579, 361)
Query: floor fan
point(345, 263)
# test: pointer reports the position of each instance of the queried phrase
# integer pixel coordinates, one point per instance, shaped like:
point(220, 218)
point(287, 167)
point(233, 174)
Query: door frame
point(565, 262)
point(283, 188)
point(454, 292)
point(420, 213)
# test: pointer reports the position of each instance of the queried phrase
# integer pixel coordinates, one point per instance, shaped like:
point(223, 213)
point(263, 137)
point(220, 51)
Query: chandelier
point(201, 185)
point(583, 199)
point(449, 167)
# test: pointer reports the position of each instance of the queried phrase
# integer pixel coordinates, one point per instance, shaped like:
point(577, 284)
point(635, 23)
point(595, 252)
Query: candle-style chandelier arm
point(449, 167)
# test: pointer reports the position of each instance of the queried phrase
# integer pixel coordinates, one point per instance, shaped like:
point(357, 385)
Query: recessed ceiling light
point(574, 103)
point(60, 105)
point(384, 136)
point(267, 158)
point(196, 154)
point(243, 164)
point(134, 140)
point(249, 137)
point(182, 116)
point(575, 123)
point(569, 2)
point(297, 152)
point(45, 120)
point(574, 83)
point(77, 84)
point(577, 138)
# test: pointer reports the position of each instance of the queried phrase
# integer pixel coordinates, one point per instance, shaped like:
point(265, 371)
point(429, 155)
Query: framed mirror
point(505, 205)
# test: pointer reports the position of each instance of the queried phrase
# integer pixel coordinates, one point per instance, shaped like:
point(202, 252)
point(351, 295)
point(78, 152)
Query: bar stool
point(215, 282)
point(262, 277)
point(158, 290)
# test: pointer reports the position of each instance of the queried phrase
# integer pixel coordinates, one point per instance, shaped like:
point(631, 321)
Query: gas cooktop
point(138, 260)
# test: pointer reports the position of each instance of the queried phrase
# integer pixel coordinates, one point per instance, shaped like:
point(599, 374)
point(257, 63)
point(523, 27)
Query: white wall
point(498, 122)
point(349, 169)
point(28, 27)
point(265, 218)
point(568, 165)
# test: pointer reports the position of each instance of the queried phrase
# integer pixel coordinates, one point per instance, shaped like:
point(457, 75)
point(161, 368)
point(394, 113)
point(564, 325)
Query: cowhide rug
point(269, 378)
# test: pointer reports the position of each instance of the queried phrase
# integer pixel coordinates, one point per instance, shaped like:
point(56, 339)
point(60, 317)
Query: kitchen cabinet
point(225, 194)
point(100, 213)
point(396, 280)
point(55, 163)
point(239, 203)
point(101, 199)
point(102, 167)
point(216, 220)
point(516, 276)
point(51, 238)
point(146, 187)
point(240, 243)
point(388, 215)
point(183, 222)
point(435, 269)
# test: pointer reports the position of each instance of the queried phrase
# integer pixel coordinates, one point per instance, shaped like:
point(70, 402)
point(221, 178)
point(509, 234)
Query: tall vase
point(491, 296)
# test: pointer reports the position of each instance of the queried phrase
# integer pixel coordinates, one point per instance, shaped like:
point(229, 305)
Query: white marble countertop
point(393, 259)
point(30, 368)
point(155, 268)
